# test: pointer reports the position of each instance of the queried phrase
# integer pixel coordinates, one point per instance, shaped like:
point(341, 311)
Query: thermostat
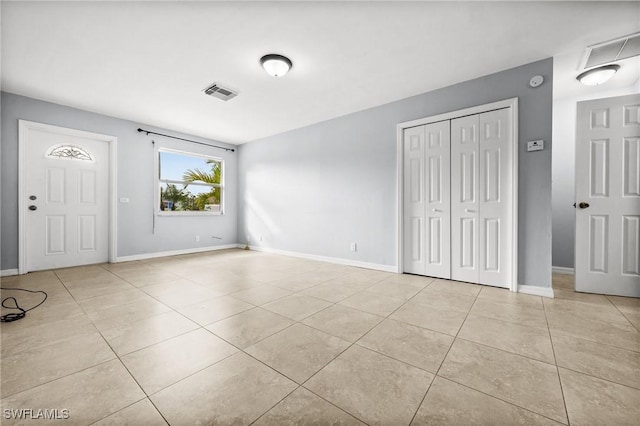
point(535, 145)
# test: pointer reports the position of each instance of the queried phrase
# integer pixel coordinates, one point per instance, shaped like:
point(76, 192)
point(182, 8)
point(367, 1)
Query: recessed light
point(276, 65)
point(599, 75)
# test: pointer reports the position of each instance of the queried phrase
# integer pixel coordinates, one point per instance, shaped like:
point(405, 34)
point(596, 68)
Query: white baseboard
point(336, 260)
point(562, 270)
point(174, 252)
point(8, 272)
point(536, 291)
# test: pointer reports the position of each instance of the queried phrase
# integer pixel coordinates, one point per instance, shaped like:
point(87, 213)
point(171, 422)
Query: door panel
point(55, 186)
point(599, 168)
point(436, 232)
point(55, 234)
point(631, 167)
point(86, 232)
point(87, 190)
point(468, 177)
point(467, 243)
point(492, 245)
point(598, 243)
point(631, 245)
point(608, 180)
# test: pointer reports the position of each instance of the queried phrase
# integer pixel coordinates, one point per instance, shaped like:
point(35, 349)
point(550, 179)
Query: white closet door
point(414, 200)
point(438, 200)
point(495, 189)
point(464, 198)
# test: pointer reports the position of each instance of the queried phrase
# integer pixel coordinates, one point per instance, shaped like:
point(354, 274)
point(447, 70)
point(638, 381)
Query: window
point(190, 182)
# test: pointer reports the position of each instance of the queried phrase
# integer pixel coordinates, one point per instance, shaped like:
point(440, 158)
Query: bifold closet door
point(481, 204)
point(427, 249)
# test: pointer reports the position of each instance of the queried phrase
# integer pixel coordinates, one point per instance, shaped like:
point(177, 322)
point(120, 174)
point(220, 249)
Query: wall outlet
point(197, 238)
point(354, 247)
point(535, 145)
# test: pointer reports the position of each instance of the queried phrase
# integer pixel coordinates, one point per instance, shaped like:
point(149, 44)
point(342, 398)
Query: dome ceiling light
point(599, 75)
point(276, 65)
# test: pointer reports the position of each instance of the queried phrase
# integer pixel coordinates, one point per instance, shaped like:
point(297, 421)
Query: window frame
point(158, 182)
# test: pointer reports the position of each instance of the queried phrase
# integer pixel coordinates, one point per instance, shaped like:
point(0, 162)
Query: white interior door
point(495, 188)
point(414, 200)
point(608, 196)
point(67, 189)
point(465, 136)
point(438, 199)
point(481, 198)
point(427, 200)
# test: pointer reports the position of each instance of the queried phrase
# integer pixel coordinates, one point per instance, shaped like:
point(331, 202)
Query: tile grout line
point(444, 358)
point(298, 385)
point(622, 313)
point(564, 401)
point(126, 369)
point(128, 406)
point(476, 390)
point(500, 399)
point(333, 359)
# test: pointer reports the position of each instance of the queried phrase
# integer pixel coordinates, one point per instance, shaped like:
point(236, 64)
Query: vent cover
point(217, 91)
point(614, 50)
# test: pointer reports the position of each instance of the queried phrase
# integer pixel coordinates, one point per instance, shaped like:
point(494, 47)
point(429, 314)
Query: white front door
point(66, 201)
point(608, 196)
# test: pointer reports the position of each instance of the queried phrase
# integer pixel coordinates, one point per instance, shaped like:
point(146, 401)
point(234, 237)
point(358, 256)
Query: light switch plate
point(535, 145)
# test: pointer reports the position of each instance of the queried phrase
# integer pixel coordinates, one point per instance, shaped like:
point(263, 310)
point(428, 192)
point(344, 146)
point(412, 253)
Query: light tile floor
point(236, 337)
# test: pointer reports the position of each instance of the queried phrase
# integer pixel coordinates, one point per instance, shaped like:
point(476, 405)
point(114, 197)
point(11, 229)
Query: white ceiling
point(149, 61)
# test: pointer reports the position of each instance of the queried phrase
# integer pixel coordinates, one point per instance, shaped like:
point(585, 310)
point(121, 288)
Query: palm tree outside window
point(190, 182)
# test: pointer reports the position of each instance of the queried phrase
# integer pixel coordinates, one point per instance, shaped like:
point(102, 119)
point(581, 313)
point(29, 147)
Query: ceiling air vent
point(217, 91)
point(614, 50)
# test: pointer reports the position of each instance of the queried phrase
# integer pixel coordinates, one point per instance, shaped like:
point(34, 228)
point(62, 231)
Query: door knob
point(436, 210)
point(32, 197)
point(32, 208)
point(583, 205)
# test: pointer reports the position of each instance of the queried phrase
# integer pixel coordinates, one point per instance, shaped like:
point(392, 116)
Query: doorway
point(67, 191)
point(468, 230)
point(607, 238)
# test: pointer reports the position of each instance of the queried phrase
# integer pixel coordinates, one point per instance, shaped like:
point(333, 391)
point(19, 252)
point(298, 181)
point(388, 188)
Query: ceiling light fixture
point(599, 75)
point(276, 65)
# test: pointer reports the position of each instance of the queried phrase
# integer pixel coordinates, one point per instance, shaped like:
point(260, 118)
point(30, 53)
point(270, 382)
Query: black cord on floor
point(15, 316)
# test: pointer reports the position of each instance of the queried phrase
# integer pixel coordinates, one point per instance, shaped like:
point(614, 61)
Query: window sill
point(194, 213)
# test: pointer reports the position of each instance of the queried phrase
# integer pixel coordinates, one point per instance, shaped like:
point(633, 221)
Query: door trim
point(24, 127)
point(507, 103)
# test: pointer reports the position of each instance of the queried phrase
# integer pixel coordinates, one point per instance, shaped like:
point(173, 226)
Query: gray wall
point(135, 181)
point(316, 189)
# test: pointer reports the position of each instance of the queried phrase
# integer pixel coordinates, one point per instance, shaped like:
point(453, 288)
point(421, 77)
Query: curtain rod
point(186, 140)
